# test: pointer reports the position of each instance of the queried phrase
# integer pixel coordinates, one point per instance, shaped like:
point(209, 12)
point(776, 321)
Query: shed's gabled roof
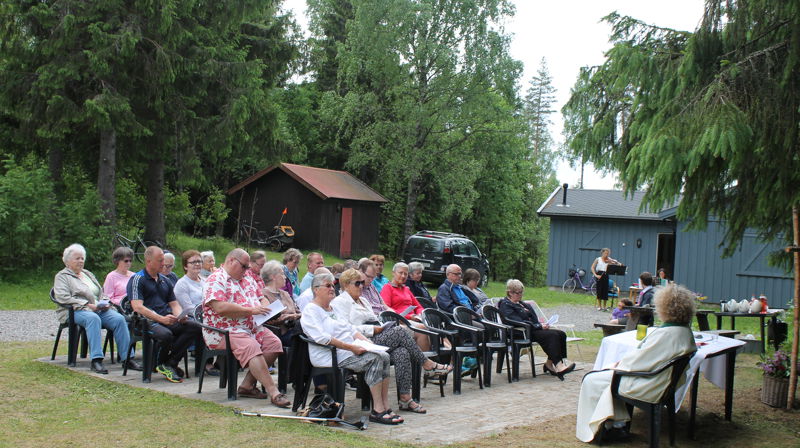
point(322, 182)
point(610, 204)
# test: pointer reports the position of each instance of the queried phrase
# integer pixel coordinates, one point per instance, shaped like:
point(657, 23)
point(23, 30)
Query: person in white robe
point(675, 306)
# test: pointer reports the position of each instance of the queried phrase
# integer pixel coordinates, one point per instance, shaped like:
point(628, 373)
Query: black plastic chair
point(427, 303)
point(303, 371)
point(229, 372)
point(520, 337)
point(464, 340)
point(76, 335)
point(678, 365)
point(433, 354)
point(140, 331)
point(496, 340)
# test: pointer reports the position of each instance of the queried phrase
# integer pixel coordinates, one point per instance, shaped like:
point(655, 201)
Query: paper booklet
point(370, 346)
point(553, 320)
point(274, 309)
point(408, 310)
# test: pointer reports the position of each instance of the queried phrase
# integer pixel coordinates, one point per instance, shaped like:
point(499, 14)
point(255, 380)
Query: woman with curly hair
point(596, 406)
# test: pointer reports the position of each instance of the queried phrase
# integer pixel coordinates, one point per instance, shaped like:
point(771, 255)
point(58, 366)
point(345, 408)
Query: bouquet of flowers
point(779, 365)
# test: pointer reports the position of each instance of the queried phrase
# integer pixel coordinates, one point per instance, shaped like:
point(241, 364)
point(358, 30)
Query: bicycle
point(136, 244)
point(575, 280)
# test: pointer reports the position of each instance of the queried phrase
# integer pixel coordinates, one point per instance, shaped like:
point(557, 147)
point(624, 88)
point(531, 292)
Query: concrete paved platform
point(454, 418)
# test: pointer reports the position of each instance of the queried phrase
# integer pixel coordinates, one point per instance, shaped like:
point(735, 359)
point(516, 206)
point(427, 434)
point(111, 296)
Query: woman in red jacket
point(398, 296)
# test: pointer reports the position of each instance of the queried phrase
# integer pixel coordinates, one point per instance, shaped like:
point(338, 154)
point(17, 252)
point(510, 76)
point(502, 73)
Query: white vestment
point(595, 404)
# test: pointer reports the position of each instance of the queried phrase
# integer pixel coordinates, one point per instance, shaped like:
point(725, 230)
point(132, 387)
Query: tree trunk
point(220, 227)
point(796, 322)
point(106, 175)
point(413, 190)
point(154, 215)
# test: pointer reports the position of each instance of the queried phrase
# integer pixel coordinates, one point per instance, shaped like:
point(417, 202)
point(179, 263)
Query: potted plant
point(776, 379)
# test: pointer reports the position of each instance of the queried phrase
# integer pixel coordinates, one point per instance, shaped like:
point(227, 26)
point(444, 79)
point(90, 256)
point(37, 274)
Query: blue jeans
point(110, 320)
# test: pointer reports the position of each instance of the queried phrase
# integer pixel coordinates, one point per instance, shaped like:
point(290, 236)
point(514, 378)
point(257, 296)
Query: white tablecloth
point(613, 348)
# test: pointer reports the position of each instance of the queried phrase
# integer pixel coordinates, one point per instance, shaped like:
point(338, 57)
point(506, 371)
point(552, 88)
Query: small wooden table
point(633, 292)
point(773, 315)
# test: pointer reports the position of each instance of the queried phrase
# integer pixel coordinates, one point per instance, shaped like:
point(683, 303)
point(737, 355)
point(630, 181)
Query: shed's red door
point(346, 236)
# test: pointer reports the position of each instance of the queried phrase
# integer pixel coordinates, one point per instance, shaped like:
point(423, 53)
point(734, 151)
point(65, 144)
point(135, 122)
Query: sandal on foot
point(281, 401)
point(407, 406)
point(439, 369)
point(384, 418)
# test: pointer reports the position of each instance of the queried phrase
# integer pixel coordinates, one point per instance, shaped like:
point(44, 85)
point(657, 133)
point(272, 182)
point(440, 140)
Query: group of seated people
point(332, 311)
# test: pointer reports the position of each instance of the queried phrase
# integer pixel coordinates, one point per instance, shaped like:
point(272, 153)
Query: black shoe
point(98, 367)
point(212, 371)
point(616, 435)
point(131, 364)
point(179, 371)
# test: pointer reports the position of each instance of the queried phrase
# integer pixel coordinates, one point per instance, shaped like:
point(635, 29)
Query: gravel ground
point(41, 325)
point(37, 325)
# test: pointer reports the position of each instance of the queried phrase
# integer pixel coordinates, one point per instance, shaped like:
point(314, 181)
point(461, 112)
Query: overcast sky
point(569, 35)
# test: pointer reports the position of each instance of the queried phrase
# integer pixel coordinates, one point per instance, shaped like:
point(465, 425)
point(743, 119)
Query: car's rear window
point(419, 245)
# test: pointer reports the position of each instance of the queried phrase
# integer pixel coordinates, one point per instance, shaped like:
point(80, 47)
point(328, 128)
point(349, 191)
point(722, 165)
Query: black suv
point(436, 250)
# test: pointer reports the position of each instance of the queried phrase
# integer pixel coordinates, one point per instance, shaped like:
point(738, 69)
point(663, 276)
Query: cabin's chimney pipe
point(564, 198)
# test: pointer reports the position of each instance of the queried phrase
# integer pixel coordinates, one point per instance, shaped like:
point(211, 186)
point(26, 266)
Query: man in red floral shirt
point(230, 300)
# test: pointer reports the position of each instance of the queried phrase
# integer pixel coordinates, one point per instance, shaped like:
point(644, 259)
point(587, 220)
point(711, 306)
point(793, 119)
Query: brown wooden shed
point(330, 210)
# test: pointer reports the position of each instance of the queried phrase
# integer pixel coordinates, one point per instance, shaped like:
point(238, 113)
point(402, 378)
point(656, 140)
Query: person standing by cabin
point(599, 268)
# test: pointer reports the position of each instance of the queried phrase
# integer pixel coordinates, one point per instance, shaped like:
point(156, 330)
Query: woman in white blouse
point(599, 268)
point(326, 327)
point(402, 347)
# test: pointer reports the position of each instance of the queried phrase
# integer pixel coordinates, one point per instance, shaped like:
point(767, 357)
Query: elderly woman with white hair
point(414, 281)
point(674, 338)
point(209, 263)
point(397, 295)
point(78, 288)
point(552, 341)
point(323, 325)
point(291, 259)
point(273, 276)
point(168, 266)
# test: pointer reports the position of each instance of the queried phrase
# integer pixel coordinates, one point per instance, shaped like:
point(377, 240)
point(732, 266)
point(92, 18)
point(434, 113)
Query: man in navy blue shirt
point(451, 294)
point(152, 296)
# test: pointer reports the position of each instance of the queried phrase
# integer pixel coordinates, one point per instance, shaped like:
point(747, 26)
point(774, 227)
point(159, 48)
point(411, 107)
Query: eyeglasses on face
point(515, 292)
point(326, 285)
point(359, 283)
point(127, 260)
point(244, 266)
point(194, 262)
point(457, 274)
point(169, 266)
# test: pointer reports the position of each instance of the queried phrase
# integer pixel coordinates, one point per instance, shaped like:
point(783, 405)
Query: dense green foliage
point(711, 116)
point(35, 226)
point(156, 109)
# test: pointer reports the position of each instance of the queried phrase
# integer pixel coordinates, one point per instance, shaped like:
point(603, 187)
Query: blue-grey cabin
point(584, 221)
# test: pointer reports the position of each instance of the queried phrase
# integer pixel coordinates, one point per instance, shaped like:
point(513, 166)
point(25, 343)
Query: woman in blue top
point(291, 258)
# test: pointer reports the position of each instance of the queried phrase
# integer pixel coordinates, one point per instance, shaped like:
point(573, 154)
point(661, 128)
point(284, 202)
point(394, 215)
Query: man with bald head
point(314, 262)
point(230, 300)
point(152, 296)
point(451, 294)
